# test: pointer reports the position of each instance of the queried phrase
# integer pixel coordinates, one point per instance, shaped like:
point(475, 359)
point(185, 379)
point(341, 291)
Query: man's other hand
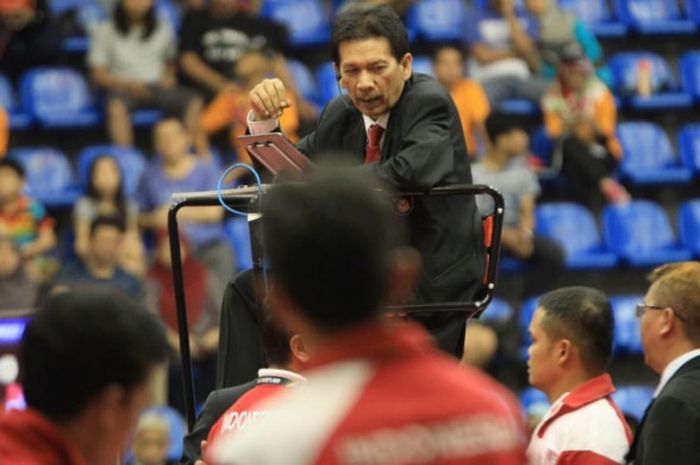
point(268, 99)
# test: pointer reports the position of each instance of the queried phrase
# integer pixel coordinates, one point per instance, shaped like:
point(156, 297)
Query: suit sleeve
point(426, 153)
point(211, 411)
point(669, 434)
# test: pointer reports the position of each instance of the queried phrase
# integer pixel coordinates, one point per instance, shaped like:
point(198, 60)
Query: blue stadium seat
point(666, 92)
point(519, 107)
point(49, 177)
point(509, 264)
point(437, 20)
point(239, 237)
point(533, 401)
point(146, 117)
point(57, 7)
point(131, 161)
point(88, 15)
point(59, 98)
point(648, 155)
point(654, 16)
point(307, 20)
point(327, 83)
point(8, 100)
point(304, 80)
point(690, 73)
point(168, 10)
point(597, 16)
point(689, 146)
point(692, 10)
point(626, 334)
point(633, 399)
point(542, 146)
point(498, 311)
point(574, 227)
point(640, 234)
point(689, 225)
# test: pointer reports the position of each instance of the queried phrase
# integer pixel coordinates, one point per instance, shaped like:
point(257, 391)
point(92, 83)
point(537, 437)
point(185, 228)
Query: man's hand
point(268, 99)
point(517, 242)
point(201, 461)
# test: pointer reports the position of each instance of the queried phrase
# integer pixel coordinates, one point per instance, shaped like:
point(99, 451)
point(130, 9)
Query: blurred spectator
point(212, 40)
point(4, 131)
point(179, 171)
point(104, 196)
point(87, 358)
point(469, 97)
point(558, 30)
point(151, 440)
point(27, 37)
point(571, 348)
point(132, 57)
point(99, 267)
point(17, 291)
point(579, 111)
point(504, 166)
point(480, 344)
point(230, 107)
point(502, 55)
point(25, 220)
point(400, 6)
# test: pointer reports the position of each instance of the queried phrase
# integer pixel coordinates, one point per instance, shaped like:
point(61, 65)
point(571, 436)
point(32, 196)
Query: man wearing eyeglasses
point(670, 332)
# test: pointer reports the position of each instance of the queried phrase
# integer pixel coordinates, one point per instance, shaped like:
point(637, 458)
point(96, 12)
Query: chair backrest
point(8, 100)
point(47, 91)
point(639, 227)
point(304, 79)
point(307, 20)
point(328, 86)
point(633, 399)
point(131, 161)
point(626, 334)
point(689, 146)
point(692, 9)
point(646, 145)
point(47, 170)
point(625, 70)
point(167, 10)
point(570, 224)
point(498, 311)
point(437, 20)
point(646, 11)
point(689, 225)
point(589, 11)
point(690, 73)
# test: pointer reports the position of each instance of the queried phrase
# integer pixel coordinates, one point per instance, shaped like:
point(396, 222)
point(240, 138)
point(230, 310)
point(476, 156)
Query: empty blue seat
point(8, 100)
point(59, 98)
point(654, 16)
point(690, 73)
point(574, 227)
point(633, 399)
point(648, 155)
point(49, 177)
point(626, 334)
point(519, 107)
point(238, 235)
point(665, 90)
point(692, 10)
point(328, 85)
point(689, 146)
point(498, 311)
point(304, 80)
point(640, 233)
point(509, 264)
point(597, 16)
point(689, 225)
point(437, 20)
point(131, 161)
point(58, 7)
point(307, 20)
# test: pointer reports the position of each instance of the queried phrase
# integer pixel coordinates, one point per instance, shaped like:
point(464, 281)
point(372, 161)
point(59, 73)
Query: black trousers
point(545, 266)
point(583, 169)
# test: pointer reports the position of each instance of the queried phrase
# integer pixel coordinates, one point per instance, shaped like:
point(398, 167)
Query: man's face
point(448, 66)
point(542, 362)
point(105, 244)
point(514, 143)
point(151, 446)
point(171, 140)
point(372, 76)
point(649, 328)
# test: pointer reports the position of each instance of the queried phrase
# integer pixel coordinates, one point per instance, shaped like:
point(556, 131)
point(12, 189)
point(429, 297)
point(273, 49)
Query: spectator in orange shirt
point(4, 132)
point(231, 107)
point(579, 111)
point(468, 95)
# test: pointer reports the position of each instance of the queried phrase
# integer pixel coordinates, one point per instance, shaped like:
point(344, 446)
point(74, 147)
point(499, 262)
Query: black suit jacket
point(216, 405)
point(423, 148)
point(669, 434)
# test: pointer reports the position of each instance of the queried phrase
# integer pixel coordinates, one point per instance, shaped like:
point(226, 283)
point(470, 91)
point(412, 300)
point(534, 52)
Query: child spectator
point(17, 291)
point(579, 111)
point(99, 267)
point(180, 171)
point(230, 107)
point(151, 440)
point(132, 58)
point(104, 196)
point(25, 220)
point(468, 95)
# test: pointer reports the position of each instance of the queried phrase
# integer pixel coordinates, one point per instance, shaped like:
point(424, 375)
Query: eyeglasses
point(640, 309)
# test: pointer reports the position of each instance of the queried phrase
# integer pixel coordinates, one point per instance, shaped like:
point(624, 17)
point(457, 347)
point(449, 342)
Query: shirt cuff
point(261, 127)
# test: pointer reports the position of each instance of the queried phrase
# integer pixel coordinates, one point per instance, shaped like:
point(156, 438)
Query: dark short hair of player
point(584, 316)
point(81, 342)
point(367, 22)
point(275, 343)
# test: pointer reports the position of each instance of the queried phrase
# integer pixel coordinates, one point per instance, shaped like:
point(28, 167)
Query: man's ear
point(406, 66)
point(338, 76)
point(298, 348)
point(668, 322)
point(564, 350)
point(404, 271)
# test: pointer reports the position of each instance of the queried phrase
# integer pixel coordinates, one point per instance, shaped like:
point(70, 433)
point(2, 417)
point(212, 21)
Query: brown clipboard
point(277, 155)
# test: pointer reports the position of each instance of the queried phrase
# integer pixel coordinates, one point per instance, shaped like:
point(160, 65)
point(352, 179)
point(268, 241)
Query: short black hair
point(448, 46)
point(584, 316)
point(109, 221)
point(81, 342)
point(329, 242)
point(361, 22)
point(275, 343)
point(14, 165)
point(498, 124)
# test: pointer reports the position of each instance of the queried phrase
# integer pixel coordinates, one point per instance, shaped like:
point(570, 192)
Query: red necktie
point(374, 135)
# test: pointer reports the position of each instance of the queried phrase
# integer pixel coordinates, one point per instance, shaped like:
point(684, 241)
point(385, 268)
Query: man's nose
point(365, 80)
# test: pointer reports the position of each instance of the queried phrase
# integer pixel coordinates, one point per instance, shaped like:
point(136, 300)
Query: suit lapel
point(355, 138)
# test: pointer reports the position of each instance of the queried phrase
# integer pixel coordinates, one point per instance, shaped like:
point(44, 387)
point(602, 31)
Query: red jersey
point(381, 394)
